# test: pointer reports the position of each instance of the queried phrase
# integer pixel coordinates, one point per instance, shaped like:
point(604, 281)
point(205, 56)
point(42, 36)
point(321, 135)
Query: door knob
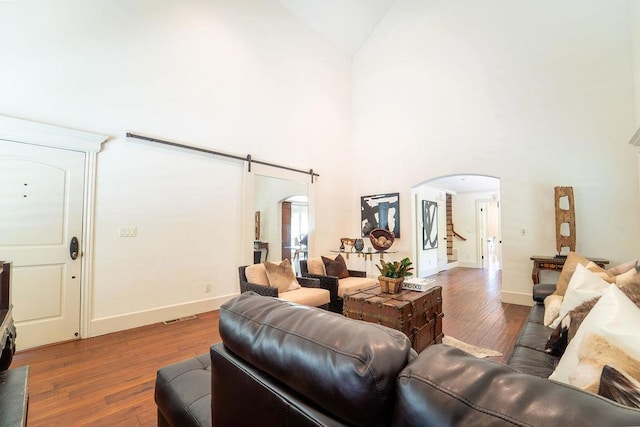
point(74, 248)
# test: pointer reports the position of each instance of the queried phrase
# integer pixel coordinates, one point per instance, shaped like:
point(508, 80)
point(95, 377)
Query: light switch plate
point(128, 231)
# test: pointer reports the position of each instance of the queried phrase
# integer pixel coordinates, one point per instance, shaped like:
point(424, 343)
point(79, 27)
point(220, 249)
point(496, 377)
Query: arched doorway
point(463, 210)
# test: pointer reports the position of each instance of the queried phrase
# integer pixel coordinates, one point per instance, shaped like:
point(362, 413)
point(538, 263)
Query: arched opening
point(456, 223)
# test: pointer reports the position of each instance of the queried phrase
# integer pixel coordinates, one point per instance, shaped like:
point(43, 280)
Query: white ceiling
point(345, 23)
point(466, 183)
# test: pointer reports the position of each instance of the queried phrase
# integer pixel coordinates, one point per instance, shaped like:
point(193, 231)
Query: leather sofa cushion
point(534, 336)
point(536, 315)
point(533, 362)
point(314, 297)
point(353, 284)
point(345, 366)
point(445, 386)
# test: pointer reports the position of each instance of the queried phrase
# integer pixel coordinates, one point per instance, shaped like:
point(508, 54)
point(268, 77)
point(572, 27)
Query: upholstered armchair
point(300, 290)
point(336, 277)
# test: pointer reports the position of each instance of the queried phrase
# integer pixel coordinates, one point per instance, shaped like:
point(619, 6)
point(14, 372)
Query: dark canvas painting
point(380, 211)
point(429, 224)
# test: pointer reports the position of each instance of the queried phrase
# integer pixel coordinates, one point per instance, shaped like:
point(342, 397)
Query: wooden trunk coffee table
point(417, 314)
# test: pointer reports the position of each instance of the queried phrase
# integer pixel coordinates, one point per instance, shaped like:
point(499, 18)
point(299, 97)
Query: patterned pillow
point(281, 276)
point(623, 268)
point(619, 387)
point(569, 267)
point(594, 353)
point(552, 305)
point(337, 267)
point(630, 277)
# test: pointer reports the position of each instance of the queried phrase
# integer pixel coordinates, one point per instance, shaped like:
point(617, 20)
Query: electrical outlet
point(207, 287)
point(523, 232)
point(128, 231)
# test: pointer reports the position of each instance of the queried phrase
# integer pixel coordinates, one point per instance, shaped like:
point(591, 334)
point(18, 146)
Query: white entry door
point(41, 202)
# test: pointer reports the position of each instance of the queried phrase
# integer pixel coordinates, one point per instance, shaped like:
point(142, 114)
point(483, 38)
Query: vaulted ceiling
point(345, 23)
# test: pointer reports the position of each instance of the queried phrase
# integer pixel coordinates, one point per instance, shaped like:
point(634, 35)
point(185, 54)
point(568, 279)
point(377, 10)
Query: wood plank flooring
point(109, 380)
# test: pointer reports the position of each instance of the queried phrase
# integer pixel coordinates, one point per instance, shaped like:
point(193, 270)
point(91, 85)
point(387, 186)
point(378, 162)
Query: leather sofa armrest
point(446, 386)
point(267, 291)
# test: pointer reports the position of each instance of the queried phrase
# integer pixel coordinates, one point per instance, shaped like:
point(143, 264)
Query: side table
point(555, 264)
point(417, 314)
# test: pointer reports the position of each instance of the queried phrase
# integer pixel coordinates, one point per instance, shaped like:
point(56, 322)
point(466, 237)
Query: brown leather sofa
point(284, 364)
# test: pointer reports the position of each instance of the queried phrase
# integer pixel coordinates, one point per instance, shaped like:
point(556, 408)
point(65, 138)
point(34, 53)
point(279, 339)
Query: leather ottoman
point(183, 393)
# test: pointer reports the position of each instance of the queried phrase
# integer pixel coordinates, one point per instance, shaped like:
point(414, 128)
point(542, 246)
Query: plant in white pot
point(392, 274)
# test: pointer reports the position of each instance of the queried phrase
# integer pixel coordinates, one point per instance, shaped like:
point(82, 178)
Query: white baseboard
point(450, 265)
point(468, 264)
point(121, 322)
point(517, 298)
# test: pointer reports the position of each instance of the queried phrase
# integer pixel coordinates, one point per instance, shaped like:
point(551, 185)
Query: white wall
point(538, 94)
point(242, 76)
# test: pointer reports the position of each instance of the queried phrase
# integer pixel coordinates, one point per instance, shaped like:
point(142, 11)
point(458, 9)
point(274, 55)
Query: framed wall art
point(429, 224)
point(380, 211)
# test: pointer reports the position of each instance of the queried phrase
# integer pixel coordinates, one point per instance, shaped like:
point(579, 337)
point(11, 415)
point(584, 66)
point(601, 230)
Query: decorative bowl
point(381, 239)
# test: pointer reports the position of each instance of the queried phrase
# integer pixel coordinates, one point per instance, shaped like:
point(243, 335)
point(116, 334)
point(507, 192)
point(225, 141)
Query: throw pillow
point(337, 267)
point(623, 268)
point(583, 286)
point(594, 353)
point(552, 305)
point(568, 327)
point(600, 272)
point(614, 317)
point(281, 276)
point(256, 274)
point(569, 267)
point(630, 277)
point(316, 266)
point(621, 388)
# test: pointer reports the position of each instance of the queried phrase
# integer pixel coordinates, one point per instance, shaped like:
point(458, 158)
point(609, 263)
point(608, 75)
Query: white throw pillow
point(614, 317)
point(583, 286)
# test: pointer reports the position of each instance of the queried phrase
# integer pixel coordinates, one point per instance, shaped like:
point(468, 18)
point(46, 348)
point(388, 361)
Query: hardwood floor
point(109, 380)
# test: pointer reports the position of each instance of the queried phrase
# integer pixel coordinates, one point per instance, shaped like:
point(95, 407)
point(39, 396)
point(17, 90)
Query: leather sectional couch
point(284, 364)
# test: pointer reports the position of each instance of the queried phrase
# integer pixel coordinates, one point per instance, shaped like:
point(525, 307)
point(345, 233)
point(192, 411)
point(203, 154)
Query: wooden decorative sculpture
point(567, 216)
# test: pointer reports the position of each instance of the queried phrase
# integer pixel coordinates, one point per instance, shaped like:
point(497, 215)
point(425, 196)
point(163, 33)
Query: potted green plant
point(392, 274)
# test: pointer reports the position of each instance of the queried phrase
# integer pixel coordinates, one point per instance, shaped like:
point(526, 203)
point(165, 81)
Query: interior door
point(41, 202)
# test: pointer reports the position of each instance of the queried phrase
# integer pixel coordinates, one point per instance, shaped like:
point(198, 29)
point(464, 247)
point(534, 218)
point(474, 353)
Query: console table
point(417, 314)
point(366, 254)
point(555, 264)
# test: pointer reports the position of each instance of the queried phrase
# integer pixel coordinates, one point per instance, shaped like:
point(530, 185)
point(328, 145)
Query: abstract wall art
point(429, 224)
point(380, 211)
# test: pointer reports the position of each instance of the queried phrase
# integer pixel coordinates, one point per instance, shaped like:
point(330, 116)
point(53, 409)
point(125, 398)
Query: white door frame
point(481, 229)
point(28, 132)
